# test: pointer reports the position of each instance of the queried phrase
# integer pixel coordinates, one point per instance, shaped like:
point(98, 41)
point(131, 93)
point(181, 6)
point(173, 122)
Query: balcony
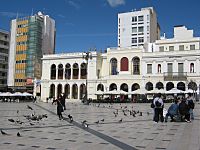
point(175, 76)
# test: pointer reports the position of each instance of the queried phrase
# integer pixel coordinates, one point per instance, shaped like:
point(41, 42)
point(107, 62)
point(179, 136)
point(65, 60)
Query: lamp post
point(86, 55)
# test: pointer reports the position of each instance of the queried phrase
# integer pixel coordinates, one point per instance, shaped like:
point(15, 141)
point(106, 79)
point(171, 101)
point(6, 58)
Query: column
point(78, 91)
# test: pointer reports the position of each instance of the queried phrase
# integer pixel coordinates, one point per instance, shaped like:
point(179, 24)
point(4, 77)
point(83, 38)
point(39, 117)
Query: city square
point(104, 131)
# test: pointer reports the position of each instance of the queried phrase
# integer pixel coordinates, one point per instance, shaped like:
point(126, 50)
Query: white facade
point(130, 68)
point(137, 28)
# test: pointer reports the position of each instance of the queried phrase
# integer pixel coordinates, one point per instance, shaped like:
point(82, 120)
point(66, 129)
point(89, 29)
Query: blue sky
point(85, 24)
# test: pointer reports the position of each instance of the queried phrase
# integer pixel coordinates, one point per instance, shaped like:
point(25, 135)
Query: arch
point(159, 85)
point(83, 71)
point(124, 64)
point(67, 91)
point(53, 71)
point(136, 65)
point(159, 68)
point(124, 87)
point(52, 91)
point(181, 86)
point(74, 91)
point(113, 63)
point(192, 67)
point(100, 87)
point(135, 86)
point(169, 86)
point(59, 90)
point(67, 71)
point(60, 71)
point(75, 71)
point(113, 86)
point(149, 86)
point(192, 85)
point(82, 91)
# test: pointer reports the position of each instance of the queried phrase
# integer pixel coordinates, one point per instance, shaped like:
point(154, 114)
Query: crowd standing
point(180, 110)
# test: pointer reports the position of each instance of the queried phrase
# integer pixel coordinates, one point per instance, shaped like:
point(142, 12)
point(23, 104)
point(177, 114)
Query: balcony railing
point(175, 76)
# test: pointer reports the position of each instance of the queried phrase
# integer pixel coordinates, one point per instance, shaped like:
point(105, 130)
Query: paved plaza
point(105, 131)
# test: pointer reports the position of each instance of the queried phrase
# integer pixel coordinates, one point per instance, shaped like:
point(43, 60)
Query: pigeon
point(18, 134)
point(148, 113)
point(3, 133)
point(120, 120)
point(85, 124)
point(17, 111)
point(97, 122)
point(19, 122)
point(84, 121)
point(29, 107)
point(140, 113)
point(31, 124)
point(11, 120)
point(102, 120)
point(125, 114)
point(133, 114)
point(70, 118)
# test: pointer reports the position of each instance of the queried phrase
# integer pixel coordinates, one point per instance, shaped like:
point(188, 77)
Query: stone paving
point(132, 133)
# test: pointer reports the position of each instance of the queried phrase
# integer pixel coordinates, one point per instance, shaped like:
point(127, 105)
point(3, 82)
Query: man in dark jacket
point(159, 105)
point(172, 111)
point(184, 111)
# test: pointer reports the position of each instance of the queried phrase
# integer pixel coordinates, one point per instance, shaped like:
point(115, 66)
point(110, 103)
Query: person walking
point(159, 105)
point(191, 105)
point(59, 107)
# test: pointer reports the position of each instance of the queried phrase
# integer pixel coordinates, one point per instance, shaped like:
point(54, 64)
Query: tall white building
point(137, 28)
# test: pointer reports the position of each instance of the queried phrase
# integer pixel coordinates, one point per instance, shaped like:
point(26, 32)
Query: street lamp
point(86, 55)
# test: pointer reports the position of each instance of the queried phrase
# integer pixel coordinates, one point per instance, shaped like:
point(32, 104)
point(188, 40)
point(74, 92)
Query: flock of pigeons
point(33, 117)
point(31, 120)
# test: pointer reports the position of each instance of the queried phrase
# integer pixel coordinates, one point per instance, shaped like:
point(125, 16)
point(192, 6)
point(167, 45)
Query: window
point(134, 19)
point(192, 67)
point(113, 66)
point(140, 18)
point(181, 47)
point(141, 39)
point(134, 40)
point(159, 68)
point(180, 69)
point(169, 68)
point(149, 68)
point(192, 47)
point(147, 17)
point(161, 49)
point(134, 29)
point(171, 48)
point(119, 20)
point(119, 41)
point(147, 28)
point(119, 31)
point(124, 64)
point(136, 65)
point(140, 29)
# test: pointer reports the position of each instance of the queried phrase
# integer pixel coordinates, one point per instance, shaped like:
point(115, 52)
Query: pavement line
point(96, 133)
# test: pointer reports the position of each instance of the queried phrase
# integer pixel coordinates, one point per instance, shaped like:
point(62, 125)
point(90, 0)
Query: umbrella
point(17, 94)
point(5, 94)
point(174, 91)
point(156, 91)
point(138, 91)
point(26, 94)
point(99, 92)
point(123, 92)
point(190, 91)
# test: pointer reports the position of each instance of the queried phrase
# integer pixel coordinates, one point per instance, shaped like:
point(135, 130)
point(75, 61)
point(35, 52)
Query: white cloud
point(73, 4)
point(114, 3)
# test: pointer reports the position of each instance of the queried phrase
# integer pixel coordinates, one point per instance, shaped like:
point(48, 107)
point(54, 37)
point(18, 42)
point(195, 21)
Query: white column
point(70, 95)
point(78, 91)
point(56, 86)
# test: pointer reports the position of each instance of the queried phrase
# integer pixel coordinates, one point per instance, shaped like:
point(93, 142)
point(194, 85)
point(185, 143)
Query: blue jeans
point(191, 114)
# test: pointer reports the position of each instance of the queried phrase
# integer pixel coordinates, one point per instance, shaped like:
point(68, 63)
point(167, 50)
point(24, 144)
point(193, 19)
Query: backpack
point(157, 103)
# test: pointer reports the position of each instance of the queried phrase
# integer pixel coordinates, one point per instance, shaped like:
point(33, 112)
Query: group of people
point(180, 110)
point(60, 101)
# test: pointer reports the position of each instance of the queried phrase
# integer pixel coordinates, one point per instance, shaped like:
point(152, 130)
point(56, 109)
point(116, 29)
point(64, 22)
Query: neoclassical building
point(165, 64)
